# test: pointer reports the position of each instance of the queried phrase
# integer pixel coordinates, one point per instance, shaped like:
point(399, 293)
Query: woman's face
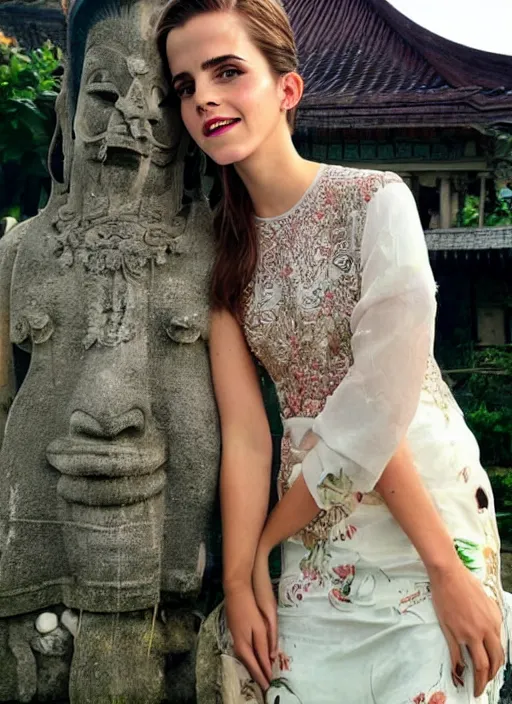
point(230, 99)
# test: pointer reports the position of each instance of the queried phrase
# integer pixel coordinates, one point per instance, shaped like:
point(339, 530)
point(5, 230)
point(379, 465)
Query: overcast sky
point(483, 24)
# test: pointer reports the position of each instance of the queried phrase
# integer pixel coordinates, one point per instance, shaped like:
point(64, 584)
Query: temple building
point(383, 92)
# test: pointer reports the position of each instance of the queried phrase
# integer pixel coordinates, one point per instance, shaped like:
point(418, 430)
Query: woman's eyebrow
point(211, 63)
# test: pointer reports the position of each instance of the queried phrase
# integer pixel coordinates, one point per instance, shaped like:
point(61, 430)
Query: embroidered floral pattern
point(297, 312)
point(436, 698)
point(297, 309)
point(435, 385)
point(483, 560)
point(336, 491)
point(421, 593)
point(344, 576)
point(328, 524)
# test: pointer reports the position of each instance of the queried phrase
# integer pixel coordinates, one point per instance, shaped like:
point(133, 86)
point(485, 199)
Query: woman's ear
point(292, 88)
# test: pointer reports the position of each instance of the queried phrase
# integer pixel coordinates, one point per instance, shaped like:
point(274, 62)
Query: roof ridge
point(461, 66)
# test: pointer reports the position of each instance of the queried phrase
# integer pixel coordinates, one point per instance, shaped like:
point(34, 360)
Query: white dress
point(341, 313)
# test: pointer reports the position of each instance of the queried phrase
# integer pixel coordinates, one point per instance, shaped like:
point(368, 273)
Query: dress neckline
point(301, 200)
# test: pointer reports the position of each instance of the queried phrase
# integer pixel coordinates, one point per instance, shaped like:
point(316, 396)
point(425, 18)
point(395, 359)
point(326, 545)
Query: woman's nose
point(205, 97)
point(204, 107)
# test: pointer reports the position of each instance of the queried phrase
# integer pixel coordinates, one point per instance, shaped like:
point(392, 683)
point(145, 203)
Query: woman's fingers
point(270, 616)
point(260, 647)
point(244, 621)
point(495, 653)
point(246, 654)
point(266, 601)
point(481, 665)
point(457, 659)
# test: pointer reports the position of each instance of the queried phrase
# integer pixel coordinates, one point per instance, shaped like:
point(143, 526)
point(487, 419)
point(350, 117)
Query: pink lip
point(221, 130)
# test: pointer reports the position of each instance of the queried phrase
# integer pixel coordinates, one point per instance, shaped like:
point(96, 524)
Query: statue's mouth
point(125, 156)
point(98, 491)
point(101, 473)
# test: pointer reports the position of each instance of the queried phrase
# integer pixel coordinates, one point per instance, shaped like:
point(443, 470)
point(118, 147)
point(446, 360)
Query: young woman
point(390, 590)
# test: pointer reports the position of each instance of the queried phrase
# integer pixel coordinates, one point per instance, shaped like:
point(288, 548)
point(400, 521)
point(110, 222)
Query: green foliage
point(486, 398)
point(501, 151)
point(29, 85)
point(493, 430)
point(501, 215)
point(501, 481)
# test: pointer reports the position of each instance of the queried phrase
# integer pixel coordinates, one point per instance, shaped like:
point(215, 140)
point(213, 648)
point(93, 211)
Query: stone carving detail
point(109, 458)
point(33, 324)
point(114, 253)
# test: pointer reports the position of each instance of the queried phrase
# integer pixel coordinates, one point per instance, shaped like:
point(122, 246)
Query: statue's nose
point(111, 399)
point(134, 104)
point(129, 424)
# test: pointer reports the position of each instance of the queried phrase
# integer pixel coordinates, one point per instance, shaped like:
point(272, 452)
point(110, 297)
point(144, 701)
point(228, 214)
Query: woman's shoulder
point(365, 182)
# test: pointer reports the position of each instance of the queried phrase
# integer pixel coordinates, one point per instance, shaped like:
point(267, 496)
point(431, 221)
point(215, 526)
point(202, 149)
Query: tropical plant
point(500, 152)
point(487, 402)
point(501, 214)
point(29, 84)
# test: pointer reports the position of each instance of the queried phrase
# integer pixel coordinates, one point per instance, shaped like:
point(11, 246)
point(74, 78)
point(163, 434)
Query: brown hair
point(234, 224)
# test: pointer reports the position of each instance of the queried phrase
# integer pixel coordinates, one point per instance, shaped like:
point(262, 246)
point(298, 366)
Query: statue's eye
point(101, 85)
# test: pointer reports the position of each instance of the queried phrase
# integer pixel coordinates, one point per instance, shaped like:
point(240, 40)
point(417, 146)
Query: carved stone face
point(123, 102)
point(110, 457)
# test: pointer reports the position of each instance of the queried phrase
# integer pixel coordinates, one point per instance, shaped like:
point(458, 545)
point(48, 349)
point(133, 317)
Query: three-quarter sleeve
point(392, 326)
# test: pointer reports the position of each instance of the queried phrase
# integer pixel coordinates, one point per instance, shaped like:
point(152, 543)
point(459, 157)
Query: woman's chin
point(228, 156)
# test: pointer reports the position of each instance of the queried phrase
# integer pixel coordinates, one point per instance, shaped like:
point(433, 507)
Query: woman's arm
point(406, 497)
point(244, 485)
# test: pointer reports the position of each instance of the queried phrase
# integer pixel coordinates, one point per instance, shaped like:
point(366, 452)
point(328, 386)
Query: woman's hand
point(249, 632)
point(265, 599)
point(468, 617)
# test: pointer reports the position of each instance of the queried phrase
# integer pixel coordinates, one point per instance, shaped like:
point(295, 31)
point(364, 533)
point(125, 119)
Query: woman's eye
point(230, 73)
point(185, 90)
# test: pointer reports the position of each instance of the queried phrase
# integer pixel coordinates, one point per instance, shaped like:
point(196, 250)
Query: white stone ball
point(46, 623)
point(69, 619)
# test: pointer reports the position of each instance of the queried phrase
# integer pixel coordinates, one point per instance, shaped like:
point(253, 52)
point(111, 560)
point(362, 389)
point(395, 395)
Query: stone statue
point(110, 452)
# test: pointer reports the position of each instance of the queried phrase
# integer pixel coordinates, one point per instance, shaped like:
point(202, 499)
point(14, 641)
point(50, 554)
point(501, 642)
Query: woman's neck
point(276, 177)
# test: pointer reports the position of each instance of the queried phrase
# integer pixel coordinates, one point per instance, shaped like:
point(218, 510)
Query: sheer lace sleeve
point(392, 326)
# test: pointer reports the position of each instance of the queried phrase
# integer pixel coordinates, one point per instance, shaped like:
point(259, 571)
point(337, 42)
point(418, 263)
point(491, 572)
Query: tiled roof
point(469, 238)
point(366, 65)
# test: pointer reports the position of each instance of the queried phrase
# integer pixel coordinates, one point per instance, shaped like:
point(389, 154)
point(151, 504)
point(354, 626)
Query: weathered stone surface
point(17, 661)
point(108, 464)
point(208, 662)
point(118, 658)
point(54, 644)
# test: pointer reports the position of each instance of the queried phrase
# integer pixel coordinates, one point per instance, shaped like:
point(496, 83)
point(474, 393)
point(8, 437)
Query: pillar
point(445, 203)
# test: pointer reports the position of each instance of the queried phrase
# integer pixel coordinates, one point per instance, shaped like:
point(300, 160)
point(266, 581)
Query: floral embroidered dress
point(341, 313)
